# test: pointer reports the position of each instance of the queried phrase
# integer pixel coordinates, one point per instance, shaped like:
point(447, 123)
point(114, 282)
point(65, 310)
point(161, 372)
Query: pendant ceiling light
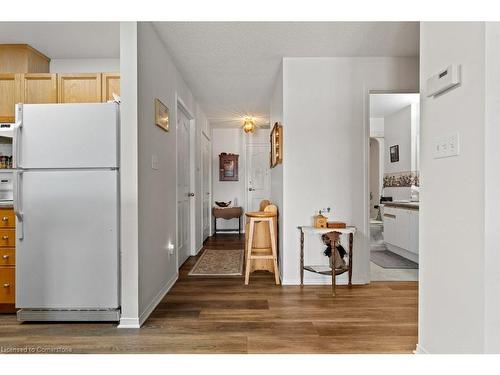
point(249, 125)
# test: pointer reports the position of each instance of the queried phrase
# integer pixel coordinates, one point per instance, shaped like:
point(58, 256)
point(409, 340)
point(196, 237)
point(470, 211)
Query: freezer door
point(66, 135)
point(67, 257)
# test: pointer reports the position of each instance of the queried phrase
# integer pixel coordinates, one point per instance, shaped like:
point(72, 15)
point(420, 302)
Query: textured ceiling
point(66, 40)
point(232, 66)
point(382, 105)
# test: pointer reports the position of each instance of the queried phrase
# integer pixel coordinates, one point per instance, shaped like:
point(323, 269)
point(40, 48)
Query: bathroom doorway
point(394, 186)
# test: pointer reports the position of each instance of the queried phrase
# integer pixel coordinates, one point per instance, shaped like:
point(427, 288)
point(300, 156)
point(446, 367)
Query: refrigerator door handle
point(18, 203)
point(16, 142)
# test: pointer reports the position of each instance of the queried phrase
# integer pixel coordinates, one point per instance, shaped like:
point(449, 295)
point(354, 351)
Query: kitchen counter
point(407, 205)
point(6, 204)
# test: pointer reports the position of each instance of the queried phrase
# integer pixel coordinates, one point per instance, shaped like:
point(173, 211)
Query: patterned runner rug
point(219, 263)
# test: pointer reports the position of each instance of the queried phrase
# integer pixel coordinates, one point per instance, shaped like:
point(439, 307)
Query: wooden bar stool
point(255, 255)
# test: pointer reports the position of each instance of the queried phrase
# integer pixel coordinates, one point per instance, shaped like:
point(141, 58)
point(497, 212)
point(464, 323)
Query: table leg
point(301, 257)
point(333, 259)
point(215, 225)
point(239, 225)
point(351, 237)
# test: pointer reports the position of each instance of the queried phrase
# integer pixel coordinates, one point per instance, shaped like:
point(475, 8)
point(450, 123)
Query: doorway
point(185, 194)
point(393, 186)
point(258, 175)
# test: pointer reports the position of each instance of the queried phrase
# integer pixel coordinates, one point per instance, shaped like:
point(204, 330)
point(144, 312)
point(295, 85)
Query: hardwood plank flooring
point(222, 315)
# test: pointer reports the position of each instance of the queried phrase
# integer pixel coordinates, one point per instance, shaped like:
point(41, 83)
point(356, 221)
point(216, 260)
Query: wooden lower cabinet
point(7, 260)
point(7, 285)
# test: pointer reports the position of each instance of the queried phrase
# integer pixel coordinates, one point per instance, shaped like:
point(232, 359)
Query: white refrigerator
point(66, 201)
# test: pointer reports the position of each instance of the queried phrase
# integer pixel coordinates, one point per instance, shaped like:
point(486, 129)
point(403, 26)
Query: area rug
point(388, 259)
point(219, 263)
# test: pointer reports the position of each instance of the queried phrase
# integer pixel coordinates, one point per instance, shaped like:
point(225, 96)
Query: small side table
point(334, 272)
point(227, 213)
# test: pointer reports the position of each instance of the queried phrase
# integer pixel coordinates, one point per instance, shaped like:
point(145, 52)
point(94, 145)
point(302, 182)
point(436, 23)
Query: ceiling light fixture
point(249, 125)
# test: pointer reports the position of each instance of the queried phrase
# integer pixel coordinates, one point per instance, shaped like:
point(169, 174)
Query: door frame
point(180, 105)
point(366, 169)
point(205, 138)
point(247, 169)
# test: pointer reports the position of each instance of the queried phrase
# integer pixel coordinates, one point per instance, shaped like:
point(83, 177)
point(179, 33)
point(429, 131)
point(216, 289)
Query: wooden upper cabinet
point(110, 85)
point(22, 58)
point(79, 88)
point(39, 88)
point(10, 95)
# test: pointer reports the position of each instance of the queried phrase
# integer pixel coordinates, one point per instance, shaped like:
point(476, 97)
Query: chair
point(261, 241)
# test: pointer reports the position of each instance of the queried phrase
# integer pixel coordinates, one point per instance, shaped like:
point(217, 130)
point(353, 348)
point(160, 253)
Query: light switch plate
point(155, 164)
point(446, 146)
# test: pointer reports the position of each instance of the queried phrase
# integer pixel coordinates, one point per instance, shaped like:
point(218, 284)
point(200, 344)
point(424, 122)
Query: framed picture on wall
point(162, 115)
point(394, 152)
point(228, 167)
point(276, 145)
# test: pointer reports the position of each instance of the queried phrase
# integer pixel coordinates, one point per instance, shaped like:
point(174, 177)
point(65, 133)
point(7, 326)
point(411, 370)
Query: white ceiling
point(66, 40)
point(232, 66)
point(382, 105)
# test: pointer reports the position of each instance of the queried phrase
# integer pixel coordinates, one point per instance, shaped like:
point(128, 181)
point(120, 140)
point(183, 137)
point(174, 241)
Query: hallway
point(221, 315)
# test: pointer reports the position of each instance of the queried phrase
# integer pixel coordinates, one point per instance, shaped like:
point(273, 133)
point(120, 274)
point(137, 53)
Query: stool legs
point(275, 252)
point(249, 250)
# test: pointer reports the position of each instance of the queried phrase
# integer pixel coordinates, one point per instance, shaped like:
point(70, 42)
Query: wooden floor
point(221, 315)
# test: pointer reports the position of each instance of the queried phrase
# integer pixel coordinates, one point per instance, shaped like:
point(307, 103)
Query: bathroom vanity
point(401, 228)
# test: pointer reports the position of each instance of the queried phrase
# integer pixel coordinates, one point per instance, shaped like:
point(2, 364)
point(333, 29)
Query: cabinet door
point(110, 85)
point(413, 232)
point(79, 88)
point(39, 88)
point(10, 94)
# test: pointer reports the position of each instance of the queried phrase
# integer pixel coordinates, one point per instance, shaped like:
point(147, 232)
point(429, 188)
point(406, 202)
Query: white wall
point(376, 127)
point(84, 65)
point(492, 198)
point(152, 216)
point(232, 140)
point(458, 303)
point(326, 115)
point(276, 115)
point(228, 141)
point(397, 131)
point(129, 197)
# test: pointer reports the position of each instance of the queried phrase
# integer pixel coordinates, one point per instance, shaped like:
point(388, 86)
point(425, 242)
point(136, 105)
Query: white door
point(183, 194)
point(206, 156)
point(258, 175)
point(67, 245)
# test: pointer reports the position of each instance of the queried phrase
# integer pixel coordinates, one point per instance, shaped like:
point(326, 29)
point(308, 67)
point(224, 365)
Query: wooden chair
point(261, 241)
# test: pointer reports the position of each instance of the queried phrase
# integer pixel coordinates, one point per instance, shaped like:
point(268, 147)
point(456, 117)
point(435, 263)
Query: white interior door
point(258, 175)
point(183, 186)
point(206, 156)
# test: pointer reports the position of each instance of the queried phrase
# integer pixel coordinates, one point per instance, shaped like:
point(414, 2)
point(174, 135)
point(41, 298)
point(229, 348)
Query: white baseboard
point(129, 323)
point(420, 350)
point(138, 322)
point(157, 299)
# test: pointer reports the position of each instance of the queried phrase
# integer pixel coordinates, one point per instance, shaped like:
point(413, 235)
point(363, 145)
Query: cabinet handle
point(5, 218)
point(5, 257)
point(6, 285)
point(5, 237)
point(390, 215)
